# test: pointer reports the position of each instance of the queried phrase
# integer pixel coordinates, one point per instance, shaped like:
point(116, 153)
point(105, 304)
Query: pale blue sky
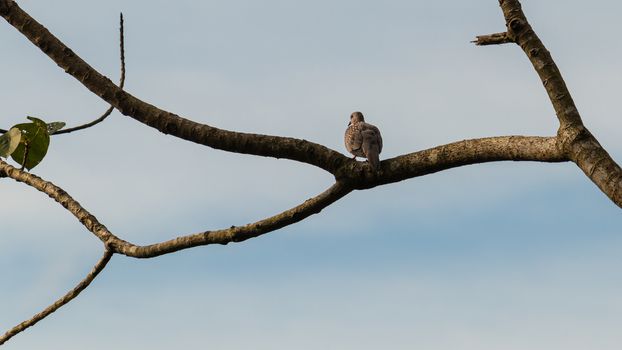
point(495, 256)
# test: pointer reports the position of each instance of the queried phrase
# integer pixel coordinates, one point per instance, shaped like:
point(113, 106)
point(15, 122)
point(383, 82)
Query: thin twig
point(121, 84)
point(26, 149)
point(101, 264)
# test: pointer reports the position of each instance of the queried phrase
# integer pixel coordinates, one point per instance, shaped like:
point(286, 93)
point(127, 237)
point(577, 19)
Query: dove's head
point(356, 117)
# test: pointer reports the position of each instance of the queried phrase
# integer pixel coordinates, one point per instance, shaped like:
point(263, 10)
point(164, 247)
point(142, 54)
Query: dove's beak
point(349, 123)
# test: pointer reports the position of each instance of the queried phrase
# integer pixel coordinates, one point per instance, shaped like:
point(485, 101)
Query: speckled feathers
point(363, 140)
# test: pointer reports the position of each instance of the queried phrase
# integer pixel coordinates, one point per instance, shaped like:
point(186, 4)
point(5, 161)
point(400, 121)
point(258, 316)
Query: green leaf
point(55, 126)
point(33, 145)
point(9, 142)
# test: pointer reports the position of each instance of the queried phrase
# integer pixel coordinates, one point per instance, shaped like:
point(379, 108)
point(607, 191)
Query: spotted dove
point(363, 140)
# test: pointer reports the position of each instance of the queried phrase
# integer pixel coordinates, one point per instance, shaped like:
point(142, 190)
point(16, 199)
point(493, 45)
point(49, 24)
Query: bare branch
point(520, 31)
point(354, 176)
point(101, 264)
point(492, 39)
point(456, 154)
point(595, 162)
point(167, 122)
point(121, 84)
point(242, 233)
point(490, 149)
point(232, 234)
point(574, 139)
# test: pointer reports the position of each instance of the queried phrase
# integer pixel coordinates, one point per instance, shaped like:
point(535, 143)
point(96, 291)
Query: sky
point(495, 256)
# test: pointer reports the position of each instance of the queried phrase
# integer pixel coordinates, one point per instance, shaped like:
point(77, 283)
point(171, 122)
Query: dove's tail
point(373, 156)
point(371, 149)
point(374, 160)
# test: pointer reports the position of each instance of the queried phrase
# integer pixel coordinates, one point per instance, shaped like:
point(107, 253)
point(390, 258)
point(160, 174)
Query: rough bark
point(576, 141)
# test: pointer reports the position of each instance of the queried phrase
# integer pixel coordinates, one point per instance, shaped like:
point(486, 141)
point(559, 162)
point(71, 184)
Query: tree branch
point(238, 234)
point(225, 236)
point(355, 176)
point(490, 149)
point(574, 139)
point(519, 30)
point(101, 264)
point(164, 121)
point(456, 154)
point(232, 234)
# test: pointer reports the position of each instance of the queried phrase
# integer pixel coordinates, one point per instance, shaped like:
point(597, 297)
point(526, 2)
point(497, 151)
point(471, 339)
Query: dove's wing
point(353, 139)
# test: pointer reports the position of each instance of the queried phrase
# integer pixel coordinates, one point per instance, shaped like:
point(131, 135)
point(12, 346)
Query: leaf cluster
point(28, 143)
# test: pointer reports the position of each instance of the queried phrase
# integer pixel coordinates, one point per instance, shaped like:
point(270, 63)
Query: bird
point(363, 140)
